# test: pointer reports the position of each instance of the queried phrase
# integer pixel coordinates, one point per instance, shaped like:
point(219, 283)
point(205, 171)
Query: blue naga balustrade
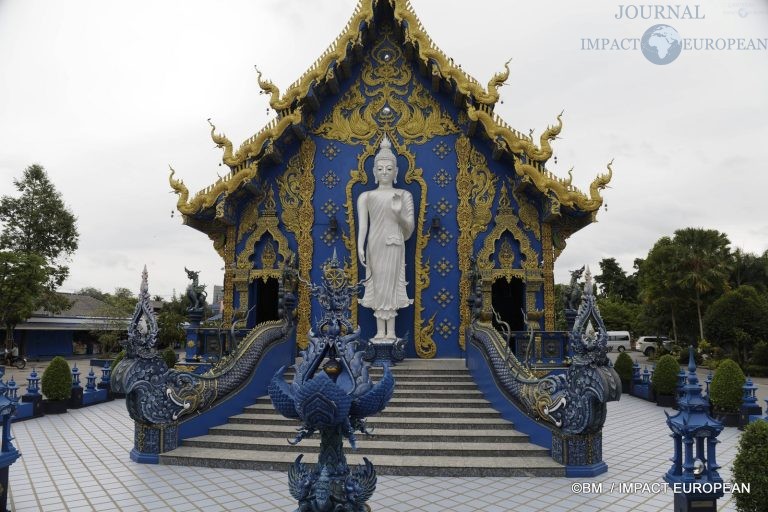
point(168, 405)
point(564, 412)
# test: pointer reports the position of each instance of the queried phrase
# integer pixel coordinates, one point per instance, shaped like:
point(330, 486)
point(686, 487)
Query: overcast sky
point(105, 94)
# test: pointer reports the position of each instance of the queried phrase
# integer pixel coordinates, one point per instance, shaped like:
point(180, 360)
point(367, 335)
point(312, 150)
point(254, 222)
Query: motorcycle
point(17, 361)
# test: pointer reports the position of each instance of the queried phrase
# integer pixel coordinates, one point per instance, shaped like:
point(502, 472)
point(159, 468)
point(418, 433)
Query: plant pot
point(55, 406)
point(76, 398)
point(665, 400)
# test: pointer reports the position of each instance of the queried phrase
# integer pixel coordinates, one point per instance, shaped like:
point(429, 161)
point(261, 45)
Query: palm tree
point(702, 264)
point(749, 268)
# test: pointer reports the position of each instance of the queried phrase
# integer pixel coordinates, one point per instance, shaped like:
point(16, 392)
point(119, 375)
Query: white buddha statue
point(385, 217)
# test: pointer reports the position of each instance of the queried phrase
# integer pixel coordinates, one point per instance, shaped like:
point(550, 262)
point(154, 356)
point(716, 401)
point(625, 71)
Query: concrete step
point(398, 401)
point(388, 421)
point(371, 445)
point(403, 465)
point(384, 432)
point(437, 424)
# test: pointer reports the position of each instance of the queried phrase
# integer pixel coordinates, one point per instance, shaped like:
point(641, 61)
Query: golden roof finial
point(267, 87)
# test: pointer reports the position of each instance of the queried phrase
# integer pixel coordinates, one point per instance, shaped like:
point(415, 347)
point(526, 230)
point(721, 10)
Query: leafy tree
point(560, 323)
point(618, 315)
point(749, 269)
point(117, 308)
point(737, 321)
point(22, 279)
point(686, 270)
point(37, 222)
point(702, 264)
point(170, 329)
point(659, 290)
point(614, 282)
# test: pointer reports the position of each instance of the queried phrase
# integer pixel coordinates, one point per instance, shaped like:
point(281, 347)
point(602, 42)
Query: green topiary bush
point(117, 359)
point(665, 375)
point(725, 391)
point(169, 356)
point(751, 466)
point(623, 366)
point(56, 383)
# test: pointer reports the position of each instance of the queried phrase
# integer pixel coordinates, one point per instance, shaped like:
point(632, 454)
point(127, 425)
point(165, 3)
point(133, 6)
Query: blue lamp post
point(76, 398)
point(749, 405)
point(8, 453)
point(33, 394)
point(693, 475)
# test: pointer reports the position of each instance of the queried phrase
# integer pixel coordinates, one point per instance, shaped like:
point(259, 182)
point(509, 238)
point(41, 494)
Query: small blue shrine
point(693, 475)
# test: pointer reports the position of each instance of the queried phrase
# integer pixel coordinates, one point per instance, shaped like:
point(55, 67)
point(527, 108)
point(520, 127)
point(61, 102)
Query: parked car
point(648, 344)
point(619, 340)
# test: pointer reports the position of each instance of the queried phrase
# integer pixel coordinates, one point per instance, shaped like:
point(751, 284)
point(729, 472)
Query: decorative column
point(749, 406)
point(679, 388)
point(76, 398)
point(33, 395)
point(693, 476)
point(104, 382)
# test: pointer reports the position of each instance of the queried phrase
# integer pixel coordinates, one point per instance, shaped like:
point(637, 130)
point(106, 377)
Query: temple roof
point(322, 77)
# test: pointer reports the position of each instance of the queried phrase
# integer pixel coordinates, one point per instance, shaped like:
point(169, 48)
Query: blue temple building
point(489, 221)
point(481, 189)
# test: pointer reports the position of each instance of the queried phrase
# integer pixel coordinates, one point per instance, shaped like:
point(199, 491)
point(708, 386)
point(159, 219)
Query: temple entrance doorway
point(264, 299)
point(508, 299)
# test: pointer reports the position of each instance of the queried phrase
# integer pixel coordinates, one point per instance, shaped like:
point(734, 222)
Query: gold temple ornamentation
point(297, 186)
point(549, 277)
point(475, 190)
point(423, 330)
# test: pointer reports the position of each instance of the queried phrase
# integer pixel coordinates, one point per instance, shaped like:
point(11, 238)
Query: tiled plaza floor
point(79, 461)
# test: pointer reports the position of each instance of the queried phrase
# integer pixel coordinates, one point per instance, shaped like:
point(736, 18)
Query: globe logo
point(661, 44)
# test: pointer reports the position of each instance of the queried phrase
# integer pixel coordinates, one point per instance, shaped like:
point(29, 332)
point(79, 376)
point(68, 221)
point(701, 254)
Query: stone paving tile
point(79, 461)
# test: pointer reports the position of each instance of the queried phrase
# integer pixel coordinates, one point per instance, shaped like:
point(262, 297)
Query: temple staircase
point(437, 424)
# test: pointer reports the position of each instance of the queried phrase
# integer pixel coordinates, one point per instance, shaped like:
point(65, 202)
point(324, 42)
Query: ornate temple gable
point(297, 105)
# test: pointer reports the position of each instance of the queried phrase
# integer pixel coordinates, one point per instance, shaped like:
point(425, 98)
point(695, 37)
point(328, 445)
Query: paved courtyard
point(79, 462)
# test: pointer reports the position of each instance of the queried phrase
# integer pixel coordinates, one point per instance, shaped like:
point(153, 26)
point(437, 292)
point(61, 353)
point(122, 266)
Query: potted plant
point(56, 385)
point(726, 392)
point(623, 367)
point(665, 380)
point(751, 466)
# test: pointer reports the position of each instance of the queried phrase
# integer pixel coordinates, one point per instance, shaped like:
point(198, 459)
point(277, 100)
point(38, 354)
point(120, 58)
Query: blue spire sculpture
point(693, 474)
point(332, 393)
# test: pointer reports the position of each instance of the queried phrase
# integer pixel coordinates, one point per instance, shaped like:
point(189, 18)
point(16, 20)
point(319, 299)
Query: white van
point(619, 340)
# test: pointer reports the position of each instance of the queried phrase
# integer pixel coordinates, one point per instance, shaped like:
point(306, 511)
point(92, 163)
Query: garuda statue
point(332, 393)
